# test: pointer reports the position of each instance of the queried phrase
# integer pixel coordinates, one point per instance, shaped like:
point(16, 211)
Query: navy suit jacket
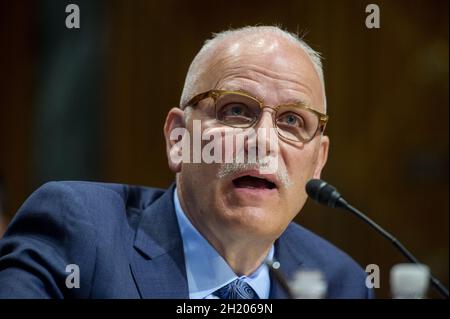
point(126, 242)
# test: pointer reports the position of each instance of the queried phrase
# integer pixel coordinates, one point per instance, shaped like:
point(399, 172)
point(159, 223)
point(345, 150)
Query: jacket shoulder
point(312, 245)
point(345, 277)
point(63, 223)
point(130, 195)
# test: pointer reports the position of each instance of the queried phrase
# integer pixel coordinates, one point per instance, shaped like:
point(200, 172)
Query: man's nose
point(265, 139)
point(266, 118)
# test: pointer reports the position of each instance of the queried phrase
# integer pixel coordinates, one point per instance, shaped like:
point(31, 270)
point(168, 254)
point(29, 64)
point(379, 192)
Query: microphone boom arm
point(327, 195)
point(435, 283)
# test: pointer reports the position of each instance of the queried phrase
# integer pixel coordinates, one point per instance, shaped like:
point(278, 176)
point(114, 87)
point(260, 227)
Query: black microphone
point(327, 195)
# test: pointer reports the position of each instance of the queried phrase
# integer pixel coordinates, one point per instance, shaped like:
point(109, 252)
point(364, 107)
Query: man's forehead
point(236, 60)
point(261, 44)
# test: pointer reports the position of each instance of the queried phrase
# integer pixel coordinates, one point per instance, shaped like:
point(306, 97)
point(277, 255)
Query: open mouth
point(253, 182)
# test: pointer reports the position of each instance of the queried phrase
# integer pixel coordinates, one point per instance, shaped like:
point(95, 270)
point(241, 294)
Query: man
point(209, 234)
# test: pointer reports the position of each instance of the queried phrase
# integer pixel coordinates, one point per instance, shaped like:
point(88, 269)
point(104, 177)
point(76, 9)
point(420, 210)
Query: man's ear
point(174, 131)
point(322, 156)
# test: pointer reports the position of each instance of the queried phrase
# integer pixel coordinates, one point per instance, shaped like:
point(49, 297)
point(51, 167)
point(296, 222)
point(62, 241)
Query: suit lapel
point(157, 263)
point(290, 262)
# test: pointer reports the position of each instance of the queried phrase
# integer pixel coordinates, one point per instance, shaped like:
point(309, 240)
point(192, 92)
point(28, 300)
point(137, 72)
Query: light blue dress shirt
point(206, 270)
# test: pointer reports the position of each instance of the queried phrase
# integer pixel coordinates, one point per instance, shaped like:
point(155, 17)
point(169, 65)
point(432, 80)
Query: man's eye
point(291, 119)
point(234, 110)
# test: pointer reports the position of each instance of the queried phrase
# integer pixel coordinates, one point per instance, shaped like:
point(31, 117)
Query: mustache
point(228, 169)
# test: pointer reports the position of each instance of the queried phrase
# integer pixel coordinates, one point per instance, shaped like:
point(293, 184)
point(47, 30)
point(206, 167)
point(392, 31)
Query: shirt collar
point(206, 270)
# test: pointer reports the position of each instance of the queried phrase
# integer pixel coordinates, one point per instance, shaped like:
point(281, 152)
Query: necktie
point(237, 289)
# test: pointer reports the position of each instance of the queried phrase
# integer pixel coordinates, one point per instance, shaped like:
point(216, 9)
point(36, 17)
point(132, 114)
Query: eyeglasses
point(294, 122)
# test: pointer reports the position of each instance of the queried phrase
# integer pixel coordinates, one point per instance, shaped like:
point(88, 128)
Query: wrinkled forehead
point(262, 64)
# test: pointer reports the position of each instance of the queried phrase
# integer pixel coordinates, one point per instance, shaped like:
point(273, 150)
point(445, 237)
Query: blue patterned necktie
point(237, 289)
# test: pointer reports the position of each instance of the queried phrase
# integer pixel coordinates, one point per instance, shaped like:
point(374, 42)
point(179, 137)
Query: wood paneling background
point(387, 95)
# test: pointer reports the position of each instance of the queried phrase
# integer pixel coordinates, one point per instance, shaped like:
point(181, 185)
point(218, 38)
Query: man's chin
point(250, 219)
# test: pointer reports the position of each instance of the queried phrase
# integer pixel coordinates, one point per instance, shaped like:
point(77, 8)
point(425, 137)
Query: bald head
point(282, 73)
point(277, 49)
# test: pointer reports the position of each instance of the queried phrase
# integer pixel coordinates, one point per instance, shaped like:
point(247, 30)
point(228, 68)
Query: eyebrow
point(291, 101)
point(300, 101)
point(237, 89)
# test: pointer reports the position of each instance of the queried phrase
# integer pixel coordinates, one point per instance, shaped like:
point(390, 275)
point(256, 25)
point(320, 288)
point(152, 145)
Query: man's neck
point(243, 258)
point(243, 252)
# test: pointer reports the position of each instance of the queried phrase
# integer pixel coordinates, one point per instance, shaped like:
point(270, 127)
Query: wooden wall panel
point(387, 95)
